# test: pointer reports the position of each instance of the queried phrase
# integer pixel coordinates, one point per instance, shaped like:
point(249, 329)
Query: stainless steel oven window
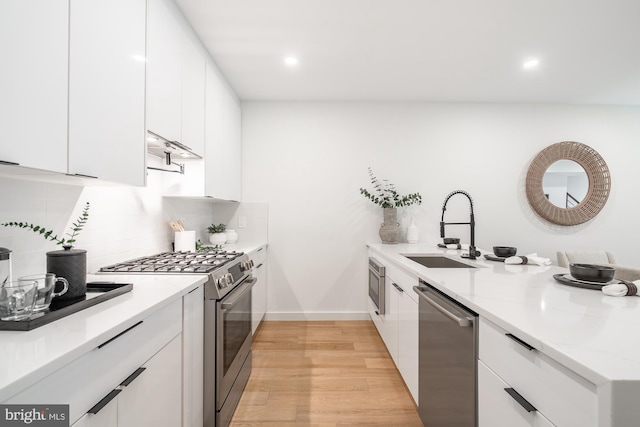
point(236, 325)
point(376, 284)
point(233, 345)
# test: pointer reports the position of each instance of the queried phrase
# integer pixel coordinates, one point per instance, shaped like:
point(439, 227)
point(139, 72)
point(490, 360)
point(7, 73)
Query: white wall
point(308, 161)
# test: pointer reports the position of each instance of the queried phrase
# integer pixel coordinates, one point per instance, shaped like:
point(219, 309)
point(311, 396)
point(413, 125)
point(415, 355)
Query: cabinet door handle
point(120, 334)
point(397, 287)
point(259, 265)
point(259, 249)
point(519, 341)
point(521, 400)
point(105, 400)
point(377, 313)
point(132, 377)
point(81, 175)
point(4, 162)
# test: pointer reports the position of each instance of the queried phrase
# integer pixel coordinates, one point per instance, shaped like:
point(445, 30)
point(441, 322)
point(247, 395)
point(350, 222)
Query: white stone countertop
point(593, 334)
point(29, 356)
point(246, 247)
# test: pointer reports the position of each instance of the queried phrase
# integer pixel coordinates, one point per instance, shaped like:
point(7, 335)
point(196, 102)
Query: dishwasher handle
point(463, 322)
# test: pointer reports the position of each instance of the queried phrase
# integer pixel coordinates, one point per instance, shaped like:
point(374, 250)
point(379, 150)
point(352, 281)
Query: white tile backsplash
point(124, 222)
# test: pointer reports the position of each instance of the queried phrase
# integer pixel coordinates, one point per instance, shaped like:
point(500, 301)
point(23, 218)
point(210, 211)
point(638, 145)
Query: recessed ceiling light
point(291, 61)
point(530, 64)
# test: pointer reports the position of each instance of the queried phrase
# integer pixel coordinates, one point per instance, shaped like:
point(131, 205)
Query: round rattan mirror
point(597, 192)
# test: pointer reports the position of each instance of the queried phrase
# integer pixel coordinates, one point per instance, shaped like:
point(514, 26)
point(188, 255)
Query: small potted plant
point(68, 263)
point(217, 235)
point(386, 196)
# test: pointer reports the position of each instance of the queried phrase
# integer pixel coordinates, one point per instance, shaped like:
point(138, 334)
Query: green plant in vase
point(387, 197)
point(217, 236)
point(68, 263)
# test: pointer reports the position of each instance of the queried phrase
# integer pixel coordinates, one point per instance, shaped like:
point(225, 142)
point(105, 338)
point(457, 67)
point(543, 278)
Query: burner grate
point(175, 262)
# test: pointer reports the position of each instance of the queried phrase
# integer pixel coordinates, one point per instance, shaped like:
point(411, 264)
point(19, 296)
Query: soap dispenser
point(5, 265)
point(412, 233)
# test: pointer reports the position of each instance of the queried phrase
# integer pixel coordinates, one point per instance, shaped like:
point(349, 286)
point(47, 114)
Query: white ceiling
point(425, 50)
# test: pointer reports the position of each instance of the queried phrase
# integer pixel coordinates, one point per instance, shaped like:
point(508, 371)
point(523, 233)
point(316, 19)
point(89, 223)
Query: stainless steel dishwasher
point(448, 354)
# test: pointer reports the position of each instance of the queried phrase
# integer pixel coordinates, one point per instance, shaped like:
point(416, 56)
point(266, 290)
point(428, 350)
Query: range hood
point(168, 150)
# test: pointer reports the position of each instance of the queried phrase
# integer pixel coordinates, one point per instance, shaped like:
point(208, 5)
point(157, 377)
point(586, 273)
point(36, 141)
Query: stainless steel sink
point(437, 261)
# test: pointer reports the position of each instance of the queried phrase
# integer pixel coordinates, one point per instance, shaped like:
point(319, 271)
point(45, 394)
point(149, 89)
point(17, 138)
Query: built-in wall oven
point(376, 284)
point(227, 320)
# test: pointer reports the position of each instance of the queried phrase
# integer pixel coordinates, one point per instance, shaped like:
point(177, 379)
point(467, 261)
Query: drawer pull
point(259, 265)
point(121, 333)
point(519, 341)
point(105, 400)
point(4, 162)
point(521, 400)
point(81, 175)
point(132, 377)
point(397, 287)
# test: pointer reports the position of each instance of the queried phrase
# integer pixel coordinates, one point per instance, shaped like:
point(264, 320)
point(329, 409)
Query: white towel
point(622, 289)
point(528, 259)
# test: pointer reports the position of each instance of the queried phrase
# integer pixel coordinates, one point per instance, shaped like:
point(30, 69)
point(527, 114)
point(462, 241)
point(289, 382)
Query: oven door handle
point(239, 293)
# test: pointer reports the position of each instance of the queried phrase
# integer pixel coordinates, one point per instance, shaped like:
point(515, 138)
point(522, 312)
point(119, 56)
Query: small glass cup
point(46, 283)
point(17, 299)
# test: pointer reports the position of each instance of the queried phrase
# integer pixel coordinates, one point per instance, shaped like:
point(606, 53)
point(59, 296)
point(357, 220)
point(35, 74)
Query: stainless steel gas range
point(227, 317)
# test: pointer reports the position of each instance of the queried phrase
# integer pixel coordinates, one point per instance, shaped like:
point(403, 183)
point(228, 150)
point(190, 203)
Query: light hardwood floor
point(323, 374)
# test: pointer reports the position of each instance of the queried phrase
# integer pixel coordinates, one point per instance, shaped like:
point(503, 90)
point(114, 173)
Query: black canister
point(5, 265)
point(72, 265)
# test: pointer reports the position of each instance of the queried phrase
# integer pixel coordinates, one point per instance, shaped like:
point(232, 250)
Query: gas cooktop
point(175, 262)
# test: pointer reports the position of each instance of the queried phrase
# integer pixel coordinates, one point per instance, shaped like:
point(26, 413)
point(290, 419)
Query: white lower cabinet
point(408, 339)
point(554, 392)
point(150, 396)
point(398, 325)
point(153, 343)
point(498, 408)
point(154, 398)
point(193, 357)
point(259, 291)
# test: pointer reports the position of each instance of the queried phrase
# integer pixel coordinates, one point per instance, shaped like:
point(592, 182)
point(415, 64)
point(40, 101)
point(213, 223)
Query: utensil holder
point(185, 241)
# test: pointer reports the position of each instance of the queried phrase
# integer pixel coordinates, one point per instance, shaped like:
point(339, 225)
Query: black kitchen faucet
point(473, 253)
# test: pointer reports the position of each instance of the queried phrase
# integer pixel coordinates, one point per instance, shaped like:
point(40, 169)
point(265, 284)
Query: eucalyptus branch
point(385, 194)
point(79, 224)
point(48, 234)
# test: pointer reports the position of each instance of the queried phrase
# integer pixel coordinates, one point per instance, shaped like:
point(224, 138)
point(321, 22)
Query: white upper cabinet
point(34, 40)
point(164, 69)
point(193, 93)
point(232, 143)
point(223, 136)
point(107, 90)
point(175, 77)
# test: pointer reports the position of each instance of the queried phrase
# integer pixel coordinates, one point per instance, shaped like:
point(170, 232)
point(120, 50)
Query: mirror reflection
point(565, 183)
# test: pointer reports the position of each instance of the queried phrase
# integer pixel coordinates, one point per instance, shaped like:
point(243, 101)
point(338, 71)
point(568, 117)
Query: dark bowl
point(504, 251)
point(451, 240)
point(592, 273)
